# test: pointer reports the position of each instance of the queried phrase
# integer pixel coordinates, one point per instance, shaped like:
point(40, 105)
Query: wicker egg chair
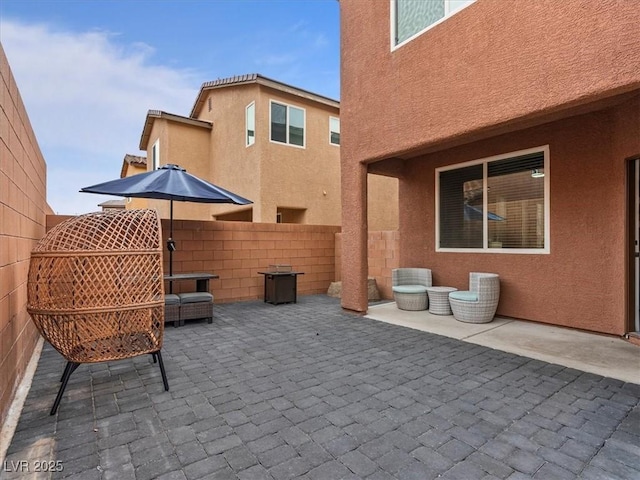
point(96, 290)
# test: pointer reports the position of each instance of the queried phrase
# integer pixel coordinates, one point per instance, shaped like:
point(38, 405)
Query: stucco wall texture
point(492, 63)
point(22, 223)
point(581, 283)
point(492, 79)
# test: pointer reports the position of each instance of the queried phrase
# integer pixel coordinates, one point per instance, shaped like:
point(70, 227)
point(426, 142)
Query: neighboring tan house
point(528, 111)
point(272, 143)
point(111, 205)
point(133, 165)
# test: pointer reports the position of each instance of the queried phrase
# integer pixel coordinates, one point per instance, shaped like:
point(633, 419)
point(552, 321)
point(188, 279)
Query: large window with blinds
point(497, 204)
point(287, 124)
point(412, 17)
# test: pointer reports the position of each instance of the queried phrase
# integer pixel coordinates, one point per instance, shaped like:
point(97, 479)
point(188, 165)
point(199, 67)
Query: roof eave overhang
point(260, 80)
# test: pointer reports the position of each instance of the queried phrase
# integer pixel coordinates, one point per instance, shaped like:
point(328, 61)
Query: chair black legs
point(71, 367)
point(164, 375)
point(68, 370)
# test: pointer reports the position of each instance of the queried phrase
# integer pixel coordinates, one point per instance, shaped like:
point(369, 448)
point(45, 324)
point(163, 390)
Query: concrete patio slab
point(309, 391)
point(589, 352)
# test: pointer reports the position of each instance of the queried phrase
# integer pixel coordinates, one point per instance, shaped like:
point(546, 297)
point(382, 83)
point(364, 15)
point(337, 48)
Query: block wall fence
point(237, 251)
point(23, 208)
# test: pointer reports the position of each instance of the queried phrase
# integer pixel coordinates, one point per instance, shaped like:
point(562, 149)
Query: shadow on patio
point(308, 390)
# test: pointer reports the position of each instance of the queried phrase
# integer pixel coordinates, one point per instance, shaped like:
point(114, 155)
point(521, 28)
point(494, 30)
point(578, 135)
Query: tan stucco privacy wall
point(22, 223)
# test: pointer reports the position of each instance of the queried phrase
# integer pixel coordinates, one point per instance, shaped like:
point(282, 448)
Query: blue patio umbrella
point(475, 213)
point(170, 182)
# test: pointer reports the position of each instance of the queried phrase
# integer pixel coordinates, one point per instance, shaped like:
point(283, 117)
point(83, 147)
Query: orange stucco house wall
point(489, 80)
point(298, 184)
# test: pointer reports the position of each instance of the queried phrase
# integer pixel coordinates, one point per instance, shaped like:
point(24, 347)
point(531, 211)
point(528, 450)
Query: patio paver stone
point(311, 391)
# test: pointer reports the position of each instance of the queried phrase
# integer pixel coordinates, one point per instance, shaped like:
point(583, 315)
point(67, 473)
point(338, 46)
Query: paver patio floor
point(310, 391)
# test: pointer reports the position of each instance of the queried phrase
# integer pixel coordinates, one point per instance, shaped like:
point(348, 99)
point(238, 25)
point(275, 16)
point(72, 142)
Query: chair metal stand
point(71, 367)
point(158, 355)
point(68, 370)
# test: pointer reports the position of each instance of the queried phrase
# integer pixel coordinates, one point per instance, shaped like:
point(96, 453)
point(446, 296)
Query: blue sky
point(89, 70)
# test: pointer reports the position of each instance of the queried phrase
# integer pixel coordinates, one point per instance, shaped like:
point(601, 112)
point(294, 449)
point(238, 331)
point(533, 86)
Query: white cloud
point(87, 97)
point(321, 41)
point(275, 60)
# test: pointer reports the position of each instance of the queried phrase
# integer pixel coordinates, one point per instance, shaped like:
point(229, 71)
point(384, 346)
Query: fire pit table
point(280, 284)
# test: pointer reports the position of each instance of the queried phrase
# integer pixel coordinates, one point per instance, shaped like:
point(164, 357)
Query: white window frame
point(155, 155)
point(247, 138)
point(332, 131)
point(304, 124)
point(485, 222)
point(448, 12)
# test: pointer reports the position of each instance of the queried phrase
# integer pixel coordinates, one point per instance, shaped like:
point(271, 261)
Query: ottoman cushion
point(464, 295)
point(409, 289)
point(195, 297)
point(171, 299)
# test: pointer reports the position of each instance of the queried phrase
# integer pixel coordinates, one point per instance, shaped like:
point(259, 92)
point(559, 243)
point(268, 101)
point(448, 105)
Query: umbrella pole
point(171, 246)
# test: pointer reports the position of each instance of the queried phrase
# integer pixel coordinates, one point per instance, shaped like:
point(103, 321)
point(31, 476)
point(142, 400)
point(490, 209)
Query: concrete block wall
point(237, 251)
point(23, 208)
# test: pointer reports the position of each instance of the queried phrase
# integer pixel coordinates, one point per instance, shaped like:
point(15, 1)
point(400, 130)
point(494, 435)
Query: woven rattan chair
point(96, 291)
point(480, 302)
point(409, 286)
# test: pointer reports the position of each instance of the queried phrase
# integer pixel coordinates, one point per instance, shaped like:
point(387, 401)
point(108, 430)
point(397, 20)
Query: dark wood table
point(202, 280)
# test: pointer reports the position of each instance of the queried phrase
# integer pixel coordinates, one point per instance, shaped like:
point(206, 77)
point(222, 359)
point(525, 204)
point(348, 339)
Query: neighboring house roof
point(113, 204)
point(261, 80)
point(152, 115)
point(134, 160)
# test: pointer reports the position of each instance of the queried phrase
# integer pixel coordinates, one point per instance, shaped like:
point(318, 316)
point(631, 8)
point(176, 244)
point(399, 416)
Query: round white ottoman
point(411, 297)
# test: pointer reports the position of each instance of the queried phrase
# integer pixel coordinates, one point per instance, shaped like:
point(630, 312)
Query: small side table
point(439, 300)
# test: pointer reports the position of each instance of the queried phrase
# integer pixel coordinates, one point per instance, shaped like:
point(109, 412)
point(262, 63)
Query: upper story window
point(251, 124)
point(409, 18)
point(155, 155)
point(287, 124)
point(498, 204)
point(334, 131)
